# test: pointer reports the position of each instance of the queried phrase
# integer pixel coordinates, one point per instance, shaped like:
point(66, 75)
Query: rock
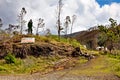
point(77, 52)
point(88, 56)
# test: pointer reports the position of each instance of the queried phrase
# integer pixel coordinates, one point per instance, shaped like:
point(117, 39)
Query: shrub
point(9, 58)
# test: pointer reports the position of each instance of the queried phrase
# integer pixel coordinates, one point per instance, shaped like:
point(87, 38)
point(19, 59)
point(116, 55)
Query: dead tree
point(40, 24)
point(12, 28)
point(21, 19)
point(67, 22)
point(48, 32)
point(1, 23)
point(59, 9)
point(73, 20)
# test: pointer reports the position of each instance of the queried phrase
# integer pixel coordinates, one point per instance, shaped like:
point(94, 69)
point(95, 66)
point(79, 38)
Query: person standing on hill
point(30, 25)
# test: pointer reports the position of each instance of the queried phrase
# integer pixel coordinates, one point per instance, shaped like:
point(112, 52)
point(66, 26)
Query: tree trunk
point(59, 22)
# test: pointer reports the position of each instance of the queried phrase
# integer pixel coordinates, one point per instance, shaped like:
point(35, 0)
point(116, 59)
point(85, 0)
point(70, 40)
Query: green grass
point(92, 68)
point(28, 65)
point(32, 65)
point(114, 61)
point(103, 65)
point(9, 58)
point(81, 60)
point(54, 38)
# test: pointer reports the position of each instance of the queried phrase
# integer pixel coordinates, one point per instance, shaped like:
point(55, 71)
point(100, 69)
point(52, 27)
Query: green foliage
point(113, 22)
point(103, 28)
point(108, 34)
point(101, 40)
point(10, 58)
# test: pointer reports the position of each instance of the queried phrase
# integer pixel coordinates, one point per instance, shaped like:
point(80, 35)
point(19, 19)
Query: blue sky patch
point(103, 2)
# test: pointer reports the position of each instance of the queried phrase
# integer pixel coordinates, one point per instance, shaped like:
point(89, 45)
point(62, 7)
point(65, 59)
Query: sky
point(103, 2)
point(89, 12)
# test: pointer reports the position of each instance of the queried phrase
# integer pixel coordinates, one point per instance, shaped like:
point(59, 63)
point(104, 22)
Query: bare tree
point(9, 29)
point(40, 24)
point(48, 32)
point(1, 23)
point(12, 28)
point(59, 9)
point(67, 22)
point(21, 19)
point(73, 20)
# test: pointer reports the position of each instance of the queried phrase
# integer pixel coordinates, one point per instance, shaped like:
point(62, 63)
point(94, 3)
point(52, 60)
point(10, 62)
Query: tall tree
point(67, 22)
point(21, 19)
point(109, 35)
point(40, 24)
point(73, 20)
point(59, 9)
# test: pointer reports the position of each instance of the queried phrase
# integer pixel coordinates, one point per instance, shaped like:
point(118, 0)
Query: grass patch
point(33, 65)
point(54, 39)
point(102, 65)
point(114, 61)
point(82, 60)
point(28, 65)
point(9, 58)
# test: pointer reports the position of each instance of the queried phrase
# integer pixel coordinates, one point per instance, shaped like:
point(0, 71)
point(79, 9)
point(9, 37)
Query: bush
point(9, 58)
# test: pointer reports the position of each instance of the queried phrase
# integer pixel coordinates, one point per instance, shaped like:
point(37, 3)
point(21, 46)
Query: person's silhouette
point(30, 25)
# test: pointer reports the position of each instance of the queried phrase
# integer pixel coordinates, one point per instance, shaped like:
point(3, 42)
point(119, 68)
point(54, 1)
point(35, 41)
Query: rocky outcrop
point(77, 52)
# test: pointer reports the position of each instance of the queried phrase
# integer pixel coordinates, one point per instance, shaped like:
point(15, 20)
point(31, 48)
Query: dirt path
point(59, 76)
point(96, 69)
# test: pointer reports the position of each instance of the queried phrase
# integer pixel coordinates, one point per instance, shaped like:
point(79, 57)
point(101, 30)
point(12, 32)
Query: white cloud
point(89, 13)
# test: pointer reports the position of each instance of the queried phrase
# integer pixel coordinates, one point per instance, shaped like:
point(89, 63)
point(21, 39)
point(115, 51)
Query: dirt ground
point(61, 75)
point(75, 73)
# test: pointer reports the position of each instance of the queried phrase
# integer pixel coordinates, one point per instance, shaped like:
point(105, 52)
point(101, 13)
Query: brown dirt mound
point(36, 49)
